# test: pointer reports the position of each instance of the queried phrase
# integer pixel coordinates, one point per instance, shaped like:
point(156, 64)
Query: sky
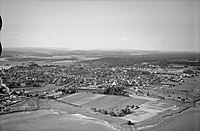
point(166, 25)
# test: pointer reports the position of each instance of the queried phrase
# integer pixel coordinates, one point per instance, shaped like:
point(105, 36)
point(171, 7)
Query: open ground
point(107, 102)
point(148, 107)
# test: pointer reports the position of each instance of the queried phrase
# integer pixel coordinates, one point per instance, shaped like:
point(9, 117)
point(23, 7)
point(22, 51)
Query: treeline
point(115, 91)
point(69, 90)
point(125, 111)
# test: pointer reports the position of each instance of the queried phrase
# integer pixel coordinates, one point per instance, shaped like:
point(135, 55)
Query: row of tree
point(69, 90)
point(115, 91)
point(125, 111)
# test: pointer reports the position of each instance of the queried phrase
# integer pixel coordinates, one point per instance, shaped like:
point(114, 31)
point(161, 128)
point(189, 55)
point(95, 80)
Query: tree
point(94, 109)
point(121, 113)
point(104, 112)
point(130, 123)
point(112, 113)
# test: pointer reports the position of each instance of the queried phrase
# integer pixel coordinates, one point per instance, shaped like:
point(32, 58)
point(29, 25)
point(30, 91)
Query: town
point(145, 79)
point(94, 80)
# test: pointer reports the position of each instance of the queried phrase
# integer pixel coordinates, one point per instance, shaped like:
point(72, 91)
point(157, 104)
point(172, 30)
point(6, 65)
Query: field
point(186, 121)
point(63, 116)
point(14, 63)
point(51, 120)
point(148, 110)
point(191, 85)
point(99, 101)
point(11, 63)
point(46, 87)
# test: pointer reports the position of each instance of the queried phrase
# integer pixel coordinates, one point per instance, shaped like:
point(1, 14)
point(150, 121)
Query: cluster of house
point(90, 77)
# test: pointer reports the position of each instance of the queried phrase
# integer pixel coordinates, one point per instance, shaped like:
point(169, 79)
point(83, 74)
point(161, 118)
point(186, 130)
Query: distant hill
point(49, 52)
point(11, 53)
point(35, 50)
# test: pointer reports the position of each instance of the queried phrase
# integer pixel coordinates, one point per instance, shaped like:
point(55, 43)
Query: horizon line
point(103, 49)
